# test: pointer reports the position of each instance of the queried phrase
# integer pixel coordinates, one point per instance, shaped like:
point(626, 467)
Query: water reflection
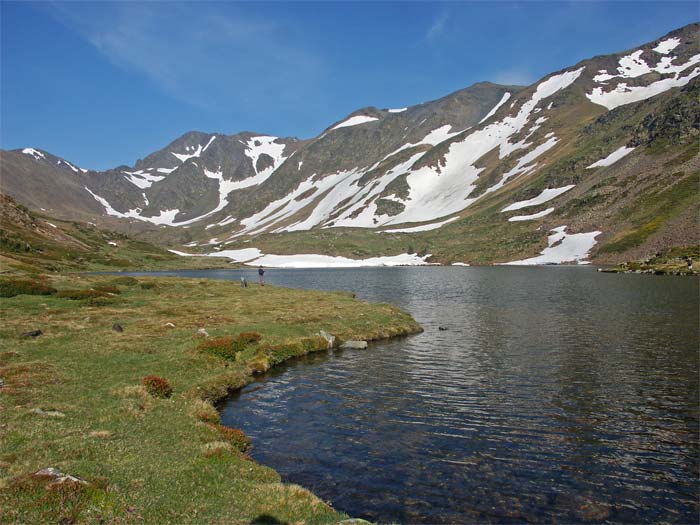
point(554, 395)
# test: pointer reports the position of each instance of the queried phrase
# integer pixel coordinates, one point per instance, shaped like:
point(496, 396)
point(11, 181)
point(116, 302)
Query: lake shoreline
point(98, 349)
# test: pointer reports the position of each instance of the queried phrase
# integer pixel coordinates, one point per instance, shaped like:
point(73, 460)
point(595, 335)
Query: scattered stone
point(169, 325)
point(57, 477)
point(100, 434)
point(442, 328)
point(330, 339)
point(33, 333)
point(354, 345)
point(48, 413)
point(117, 328)
point(2, 382)
point(354, 521)
point(202, 332)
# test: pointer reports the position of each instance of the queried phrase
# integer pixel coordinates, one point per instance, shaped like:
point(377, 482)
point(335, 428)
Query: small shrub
point(235, 437)
point(100, 301)
point(204, 411)
point(12, 287)
point(225, 347)
point(157, 386)
point(107, 288)
point(247, 338)
point(124, 281)
point(79, 295)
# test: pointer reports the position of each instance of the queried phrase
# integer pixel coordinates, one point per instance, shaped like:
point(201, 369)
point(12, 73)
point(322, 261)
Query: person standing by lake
point(261, 276)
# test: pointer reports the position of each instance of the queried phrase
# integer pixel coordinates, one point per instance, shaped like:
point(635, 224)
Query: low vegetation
point(79, 398)
point(682, 260)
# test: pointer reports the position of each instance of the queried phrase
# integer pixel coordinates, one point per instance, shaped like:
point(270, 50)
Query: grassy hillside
point(30, 242)
point(74, 397)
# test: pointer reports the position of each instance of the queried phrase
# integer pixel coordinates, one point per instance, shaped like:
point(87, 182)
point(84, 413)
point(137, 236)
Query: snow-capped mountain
point(486, 164)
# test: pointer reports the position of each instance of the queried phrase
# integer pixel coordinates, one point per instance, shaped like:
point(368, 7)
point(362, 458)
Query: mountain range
point(599, 160)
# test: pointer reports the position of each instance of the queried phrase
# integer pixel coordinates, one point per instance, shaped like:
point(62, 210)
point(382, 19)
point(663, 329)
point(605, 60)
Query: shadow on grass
point(266, 519)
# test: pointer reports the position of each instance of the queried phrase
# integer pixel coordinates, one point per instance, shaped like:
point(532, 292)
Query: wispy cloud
point(438, 27)
point(207, 55)
point(516, 76)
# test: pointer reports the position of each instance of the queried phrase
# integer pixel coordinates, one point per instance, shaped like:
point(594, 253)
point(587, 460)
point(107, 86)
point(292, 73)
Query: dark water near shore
point(557, 394)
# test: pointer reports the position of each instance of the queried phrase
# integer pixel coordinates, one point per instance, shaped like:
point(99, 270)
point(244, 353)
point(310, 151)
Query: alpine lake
point(535, 394)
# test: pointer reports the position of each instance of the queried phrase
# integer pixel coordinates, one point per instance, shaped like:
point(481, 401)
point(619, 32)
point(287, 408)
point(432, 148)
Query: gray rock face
point(354, 345)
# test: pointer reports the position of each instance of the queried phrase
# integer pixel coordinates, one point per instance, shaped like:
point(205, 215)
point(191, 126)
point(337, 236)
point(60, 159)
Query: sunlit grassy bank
point(73, 398)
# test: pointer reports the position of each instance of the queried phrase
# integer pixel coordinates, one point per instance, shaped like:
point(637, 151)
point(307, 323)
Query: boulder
point(354, 345)
point(57, 477)
point(117, 328)
point(48, 413)
point(33, 333)
point(330, 339)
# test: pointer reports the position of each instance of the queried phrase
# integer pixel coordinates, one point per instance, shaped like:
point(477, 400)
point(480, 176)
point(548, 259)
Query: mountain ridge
point(416, 169)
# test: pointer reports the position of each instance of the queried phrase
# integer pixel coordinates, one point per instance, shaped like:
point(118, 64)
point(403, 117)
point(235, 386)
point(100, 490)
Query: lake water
point(556, 394)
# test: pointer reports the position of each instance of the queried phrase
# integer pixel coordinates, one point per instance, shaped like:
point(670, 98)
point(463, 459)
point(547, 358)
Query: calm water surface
point(556, 394)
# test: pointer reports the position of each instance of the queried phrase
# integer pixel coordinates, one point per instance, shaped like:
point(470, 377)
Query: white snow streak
point(563, 248)
point(34, 153)
point(546, 195)
point(423, 228)
point(612, 158)
point(633, 66)
point(504, 99)
point(519, 218)
point(398, 110)
point(141, 178)
point(182, 157)
point(309, 260)
point(254, 257)
point(354, 121)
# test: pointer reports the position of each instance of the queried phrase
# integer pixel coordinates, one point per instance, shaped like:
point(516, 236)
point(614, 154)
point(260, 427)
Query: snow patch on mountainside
point(283, 208)
point(423, 228)
point(34, 153)
point(538, 215)
point(254, 257)
point(504, 99)
point(634, 66)
point(563, 248)
point(398, 110)
point(141, 178)
point(547, 195)
point(77, 170)
point(257, 146)
point(182, 157)
point(309, 260)
point(612, 158)
point(668, 45)
point(354, 121)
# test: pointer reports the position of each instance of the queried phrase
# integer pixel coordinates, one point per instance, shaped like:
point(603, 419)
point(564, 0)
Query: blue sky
point(103, 84)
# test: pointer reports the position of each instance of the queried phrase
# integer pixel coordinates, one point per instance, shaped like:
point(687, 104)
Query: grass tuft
point(13, 287)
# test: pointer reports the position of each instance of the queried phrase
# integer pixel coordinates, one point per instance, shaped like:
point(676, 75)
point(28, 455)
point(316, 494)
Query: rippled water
point(556, 394)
